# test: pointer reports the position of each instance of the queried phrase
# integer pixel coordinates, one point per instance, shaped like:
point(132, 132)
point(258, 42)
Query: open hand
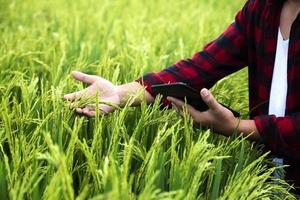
point(216, 117)
point(106, 90)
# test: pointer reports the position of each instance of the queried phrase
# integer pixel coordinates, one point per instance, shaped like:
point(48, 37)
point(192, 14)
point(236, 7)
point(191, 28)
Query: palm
point(106, 90)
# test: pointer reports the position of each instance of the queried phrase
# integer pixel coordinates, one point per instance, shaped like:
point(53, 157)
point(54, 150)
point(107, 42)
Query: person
point(265, 36)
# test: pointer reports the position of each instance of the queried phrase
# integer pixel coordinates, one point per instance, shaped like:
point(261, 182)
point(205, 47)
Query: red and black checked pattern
point(250, 41)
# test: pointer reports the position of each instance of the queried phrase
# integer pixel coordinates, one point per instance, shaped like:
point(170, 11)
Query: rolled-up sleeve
point(223, 56)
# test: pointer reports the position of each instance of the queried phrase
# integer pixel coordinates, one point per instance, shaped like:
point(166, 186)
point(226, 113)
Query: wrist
point(123, 94)
point(248, 128)
point(135, 90)
point(232, 126)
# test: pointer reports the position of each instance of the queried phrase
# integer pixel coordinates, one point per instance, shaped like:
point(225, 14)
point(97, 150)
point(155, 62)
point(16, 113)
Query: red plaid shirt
point(250, 41)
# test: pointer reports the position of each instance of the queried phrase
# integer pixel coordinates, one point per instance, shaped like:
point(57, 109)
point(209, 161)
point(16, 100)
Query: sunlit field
point(47, 151)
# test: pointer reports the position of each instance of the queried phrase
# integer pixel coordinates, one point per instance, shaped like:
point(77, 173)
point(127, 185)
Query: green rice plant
point(47, 151)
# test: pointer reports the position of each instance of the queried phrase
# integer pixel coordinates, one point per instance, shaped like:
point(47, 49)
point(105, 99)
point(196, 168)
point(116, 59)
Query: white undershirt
point(279, 86)
point(279, 81)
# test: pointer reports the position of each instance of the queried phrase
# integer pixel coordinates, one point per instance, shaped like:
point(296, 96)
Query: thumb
point(86, 78)
point(209, 99)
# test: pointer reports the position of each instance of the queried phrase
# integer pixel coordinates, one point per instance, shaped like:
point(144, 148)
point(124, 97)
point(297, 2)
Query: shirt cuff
point(266, 131)
point(147, 81)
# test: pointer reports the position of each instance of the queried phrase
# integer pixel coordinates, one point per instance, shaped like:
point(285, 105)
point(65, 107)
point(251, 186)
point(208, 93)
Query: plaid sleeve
point(223, 56)
point(281, 135)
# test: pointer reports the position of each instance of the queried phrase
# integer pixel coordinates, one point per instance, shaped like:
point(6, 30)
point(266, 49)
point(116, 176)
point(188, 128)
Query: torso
point(277, 103)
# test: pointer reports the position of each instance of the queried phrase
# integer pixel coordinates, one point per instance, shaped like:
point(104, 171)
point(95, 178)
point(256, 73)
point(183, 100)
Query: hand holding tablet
point(184, 92)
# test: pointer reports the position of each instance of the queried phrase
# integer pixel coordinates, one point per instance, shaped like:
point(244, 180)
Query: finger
point(86, 78)
point(209, 99)
point(91, 107)
point(79, 110)
point(175, 107)
point(75, 95)
point(178, 110)
point(195, 114)
point(105, 109)
point(201, 119)
point(88, 112)
point(180, 104)
point(176, 102)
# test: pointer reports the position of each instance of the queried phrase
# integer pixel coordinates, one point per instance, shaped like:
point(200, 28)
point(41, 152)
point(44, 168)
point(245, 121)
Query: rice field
point(47, 151)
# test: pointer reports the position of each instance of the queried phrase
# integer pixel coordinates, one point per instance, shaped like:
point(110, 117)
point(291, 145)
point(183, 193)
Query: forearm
point(135, 91)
